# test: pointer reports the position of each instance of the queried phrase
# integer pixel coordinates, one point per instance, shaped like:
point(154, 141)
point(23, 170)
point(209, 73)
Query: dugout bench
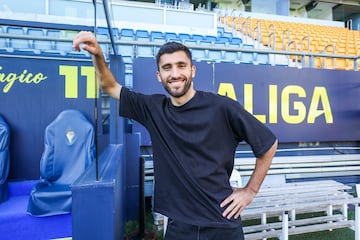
point(280, 210)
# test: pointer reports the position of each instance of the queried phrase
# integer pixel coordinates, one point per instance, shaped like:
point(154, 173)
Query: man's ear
point(158, 76)
point(193, 70)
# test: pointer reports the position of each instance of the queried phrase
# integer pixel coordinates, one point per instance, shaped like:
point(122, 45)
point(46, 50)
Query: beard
point(177, 92)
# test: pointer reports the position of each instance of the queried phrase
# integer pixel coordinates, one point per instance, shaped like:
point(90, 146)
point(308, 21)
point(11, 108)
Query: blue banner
point(298, 105)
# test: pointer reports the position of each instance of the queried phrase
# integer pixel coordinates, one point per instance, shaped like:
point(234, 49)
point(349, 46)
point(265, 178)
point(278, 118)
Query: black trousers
point(181, 231)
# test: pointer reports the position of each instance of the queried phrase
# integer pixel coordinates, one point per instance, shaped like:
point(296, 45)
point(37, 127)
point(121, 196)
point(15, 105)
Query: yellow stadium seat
point(309, 38)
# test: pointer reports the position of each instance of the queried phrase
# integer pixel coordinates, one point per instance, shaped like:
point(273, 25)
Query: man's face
point(176, 73)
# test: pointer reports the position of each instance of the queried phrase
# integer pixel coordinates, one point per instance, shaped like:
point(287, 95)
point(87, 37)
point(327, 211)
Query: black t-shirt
point(193, 151)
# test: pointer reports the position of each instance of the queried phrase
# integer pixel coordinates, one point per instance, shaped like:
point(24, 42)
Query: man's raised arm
point(87, 41)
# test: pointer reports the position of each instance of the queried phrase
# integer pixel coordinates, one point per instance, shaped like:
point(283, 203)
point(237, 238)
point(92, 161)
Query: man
point(194, 137)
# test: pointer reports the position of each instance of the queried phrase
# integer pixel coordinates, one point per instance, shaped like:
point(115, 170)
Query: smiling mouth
point(176, 82)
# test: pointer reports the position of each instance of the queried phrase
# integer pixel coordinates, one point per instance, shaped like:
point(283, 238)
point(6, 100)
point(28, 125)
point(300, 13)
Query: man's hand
point(237, 202)
point(242, 197)
point(86, 41)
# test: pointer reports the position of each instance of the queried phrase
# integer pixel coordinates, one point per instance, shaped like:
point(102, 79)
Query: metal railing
point(299, 53)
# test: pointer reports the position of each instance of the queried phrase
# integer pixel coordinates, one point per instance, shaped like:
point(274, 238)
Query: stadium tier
point(301, 37)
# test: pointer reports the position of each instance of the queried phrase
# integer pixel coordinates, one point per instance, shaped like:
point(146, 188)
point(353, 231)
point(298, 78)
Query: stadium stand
point(300, 39)
point(279, 34)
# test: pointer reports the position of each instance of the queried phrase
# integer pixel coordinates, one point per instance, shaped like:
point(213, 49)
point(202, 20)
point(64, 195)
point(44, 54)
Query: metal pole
point(96, 107)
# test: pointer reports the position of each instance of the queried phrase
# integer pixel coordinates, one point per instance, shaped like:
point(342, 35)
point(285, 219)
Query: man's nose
point(175, 73)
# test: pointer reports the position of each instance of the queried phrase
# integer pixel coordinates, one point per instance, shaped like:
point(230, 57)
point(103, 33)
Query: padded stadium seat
point(103, 38)
point(142, 35)
point(262, 59)
point(125, 50)
point(225, 40)
point(65, 48)
point(4, 159)
point(220, 31)
point(156, 35)
point(54, 33)
point(69, 150)
point(197, 37)
point(236, 40)
point(105, 30)
point(217, 55)
point(228, 35)
point(231, 57)
point(247, 57)
point(15, 30)
point(35, 32)
point(126, 34)
point(170, 36)
point(20, 45)
point(38, 43)
point(210, 38)
point(184, 36)
point(143, 50)
point(3, 42)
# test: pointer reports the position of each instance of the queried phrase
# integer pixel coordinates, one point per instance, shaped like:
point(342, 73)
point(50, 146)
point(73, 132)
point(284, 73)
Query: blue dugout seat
point(4, 158)
point(69, 150)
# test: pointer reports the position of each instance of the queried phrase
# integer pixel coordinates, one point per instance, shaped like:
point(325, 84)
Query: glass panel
point(21, 6)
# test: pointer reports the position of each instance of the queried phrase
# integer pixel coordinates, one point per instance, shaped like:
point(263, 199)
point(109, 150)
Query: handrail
point(333, 52)
point(233, 23)
point(293, 42)
point(249, 19)
point(308, 43)
point(308, 50)
point(230, 49)
point(272, 26)
point(288, 38)
point(288, 49)
point(244, 28)
point(258, 34)
point(247, 30)
point(272, 34)
point(273, 37)
point(238, 22)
